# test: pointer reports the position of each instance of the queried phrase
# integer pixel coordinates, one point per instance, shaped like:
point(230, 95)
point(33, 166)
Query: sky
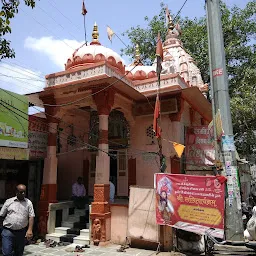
point(44, 38)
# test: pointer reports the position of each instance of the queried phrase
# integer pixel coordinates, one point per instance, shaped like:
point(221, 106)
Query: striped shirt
point(16, 213)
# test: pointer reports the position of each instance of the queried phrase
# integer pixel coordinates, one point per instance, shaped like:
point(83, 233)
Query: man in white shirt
point(112, 191)
point(17, 213)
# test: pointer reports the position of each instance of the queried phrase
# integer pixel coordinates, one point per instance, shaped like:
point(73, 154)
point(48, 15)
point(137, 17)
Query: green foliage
point(8, 11)
point(239, 28)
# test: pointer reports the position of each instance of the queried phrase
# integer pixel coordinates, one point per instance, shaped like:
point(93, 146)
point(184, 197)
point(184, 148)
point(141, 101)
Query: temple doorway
point(113, 170)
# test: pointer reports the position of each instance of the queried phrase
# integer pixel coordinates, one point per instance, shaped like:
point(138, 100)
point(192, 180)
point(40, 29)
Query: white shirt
point(16, 213)
point(112, 192)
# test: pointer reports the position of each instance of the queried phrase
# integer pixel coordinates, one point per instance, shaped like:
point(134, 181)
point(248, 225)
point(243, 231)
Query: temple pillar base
point(48, 195)
point(100, 214)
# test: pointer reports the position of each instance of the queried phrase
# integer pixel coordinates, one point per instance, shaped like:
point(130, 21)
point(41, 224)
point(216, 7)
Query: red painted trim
point(52, 139)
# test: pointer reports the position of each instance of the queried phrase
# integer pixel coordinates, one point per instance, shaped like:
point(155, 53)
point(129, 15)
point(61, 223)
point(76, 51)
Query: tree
point(8, 11)
point(239, 28)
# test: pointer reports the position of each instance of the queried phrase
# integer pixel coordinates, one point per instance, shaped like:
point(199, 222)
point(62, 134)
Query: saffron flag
point(159, 55)
point(84, 11)
point(179, 148)
point(110, 33)
point(156, 126)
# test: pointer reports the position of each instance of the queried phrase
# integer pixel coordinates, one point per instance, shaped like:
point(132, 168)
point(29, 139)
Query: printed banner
point(37, 137)
point(13, 128)
point(13, 153)
point(189, 202)
point(199, 148)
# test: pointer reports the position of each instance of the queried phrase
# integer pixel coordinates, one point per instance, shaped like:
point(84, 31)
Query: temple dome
point(140, 72)
point(137, 71)
point(177, 60)
point(87, 55)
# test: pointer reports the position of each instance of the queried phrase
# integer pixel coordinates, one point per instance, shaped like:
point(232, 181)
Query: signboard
point(189, 202)
point(199, 148)
point(37, 137)
point(13, 120)
point(13, 153)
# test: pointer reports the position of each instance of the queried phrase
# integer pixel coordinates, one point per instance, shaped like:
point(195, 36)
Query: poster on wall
point(191, 203)
point(199, 150)
point(37, 137)
point(13, 128)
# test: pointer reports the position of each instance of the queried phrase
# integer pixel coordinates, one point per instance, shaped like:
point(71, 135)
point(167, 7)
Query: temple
point(100, 117)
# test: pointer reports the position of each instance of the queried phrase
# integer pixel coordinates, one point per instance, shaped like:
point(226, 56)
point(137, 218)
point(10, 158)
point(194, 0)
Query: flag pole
point(85, 39)
point(84, 11)
point(121, 40)
point(159, 56)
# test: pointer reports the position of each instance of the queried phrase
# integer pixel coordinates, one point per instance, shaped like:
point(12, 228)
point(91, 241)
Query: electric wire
point(50, 2)
point(83, 143)
point(47, 29)
point(56, 22)
point(25, 69)
point(24, 82)
point(22, 85)
point(86, 145)
point(69, 124)
point(88, 96)
point(22, 73)
point(110, 84)
point(180, 10)
point(23, 78)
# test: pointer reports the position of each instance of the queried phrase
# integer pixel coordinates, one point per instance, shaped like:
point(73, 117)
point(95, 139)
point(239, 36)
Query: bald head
point(21, 187)
point(21, 191)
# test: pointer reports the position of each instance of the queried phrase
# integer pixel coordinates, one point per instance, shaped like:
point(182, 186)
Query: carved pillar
point(100, 207)
point(49, 184)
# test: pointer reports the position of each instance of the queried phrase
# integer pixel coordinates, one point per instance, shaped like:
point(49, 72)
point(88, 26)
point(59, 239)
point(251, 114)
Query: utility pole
point(233, 214)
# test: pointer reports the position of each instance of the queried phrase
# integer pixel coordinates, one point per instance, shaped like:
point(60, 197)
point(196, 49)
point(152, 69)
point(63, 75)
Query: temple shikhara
point(100, 117)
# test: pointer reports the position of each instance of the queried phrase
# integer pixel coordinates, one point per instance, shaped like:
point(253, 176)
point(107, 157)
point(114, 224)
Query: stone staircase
point(73, 230)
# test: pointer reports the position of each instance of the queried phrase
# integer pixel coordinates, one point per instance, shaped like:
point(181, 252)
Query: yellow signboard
point(14, 153)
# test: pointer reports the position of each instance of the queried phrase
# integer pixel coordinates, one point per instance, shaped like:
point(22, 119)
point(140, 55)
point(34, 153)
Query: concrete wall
point(119, 221)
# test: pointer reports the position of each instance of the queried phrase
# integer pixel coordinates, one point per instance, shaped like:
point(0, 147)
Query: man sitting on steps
point(79, 194)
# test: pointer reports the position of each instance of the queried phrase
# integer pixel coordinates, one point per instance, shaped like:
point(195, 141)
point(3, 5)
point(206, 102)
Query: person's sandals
point(53, 244)
point(79, 249)
point(122, 248)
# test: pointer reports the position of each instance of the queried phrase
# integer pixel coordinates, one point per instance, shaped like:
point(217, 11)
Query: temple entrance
point(119, 172)
point(118, 139)
point(113, 170)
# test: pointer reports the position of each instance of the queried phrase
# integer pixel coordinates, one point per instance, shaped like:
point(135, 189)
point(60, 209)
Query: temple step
point(84, 232)
point(54, 236)
point(68, 224)
point(81, 240)
point(61, 230)
point(80, 212)
point(73, 231)
point(67, 238)
point(74, 218)
point(80, 225)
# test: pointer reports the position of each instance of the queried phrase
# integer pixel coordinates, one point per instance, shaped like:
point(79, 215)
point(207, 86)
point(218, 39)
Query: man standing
point(78, 194)
point(17, 213)
point(111, 191)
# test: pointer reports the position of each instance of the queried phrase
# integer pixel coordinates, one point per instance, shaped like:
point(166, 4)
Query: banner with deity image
point(189, 202)
point(199, 150)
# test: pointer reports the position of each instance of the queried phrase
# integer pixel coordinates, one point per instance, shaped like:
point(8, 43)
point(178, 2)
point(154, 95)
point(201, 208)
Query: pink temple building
point(101, 112)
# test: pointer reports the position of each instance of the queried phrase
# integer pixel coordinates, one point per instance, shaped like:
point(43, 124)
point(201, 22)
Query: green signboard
point(13, 120)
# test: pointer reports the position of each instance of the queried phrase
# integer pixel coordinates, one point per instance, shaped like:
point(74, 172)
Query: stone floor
point(110, 250)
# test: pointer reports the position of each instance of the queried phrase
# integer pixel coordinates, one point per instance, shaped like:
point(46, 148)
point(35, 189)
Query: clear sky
point(46, 36)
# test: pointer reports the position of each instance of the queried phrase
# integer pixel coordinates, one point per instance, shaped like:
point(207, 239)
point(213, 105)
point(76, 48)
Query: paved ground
point(109, 250)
